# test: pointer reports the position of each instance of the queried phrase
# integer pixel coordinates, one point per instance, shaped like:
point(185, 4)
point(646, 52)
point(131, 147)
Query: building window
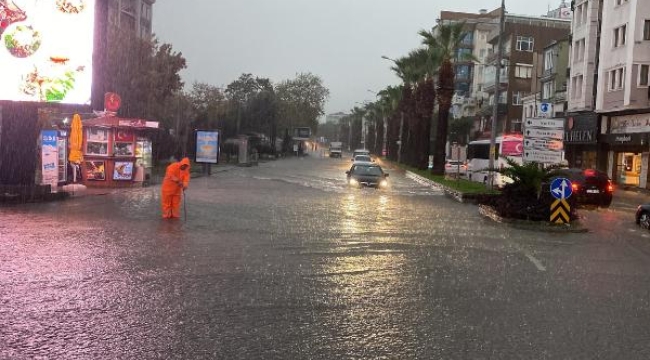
point(646, 30)
point(97, 141)
point(517, 97)
point(525, 43)
point(515, 126)
point(576, 87)
point(643, 75)
point(524, 71)
point(616, 79)
point(548, 90)
point(619, 36)
point(549, 57)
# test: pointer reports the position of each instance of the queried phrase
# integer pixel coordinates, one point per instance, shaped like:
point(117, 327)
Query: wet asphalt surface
point(283, 261)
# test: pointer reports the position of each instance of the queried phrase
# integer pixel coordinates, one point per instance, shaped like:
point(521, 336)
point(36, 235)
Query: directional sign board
point(561, 188)
point(544, 133)
point(543, 140)
point(543, 144)
point(543, 157)
point(545, 123)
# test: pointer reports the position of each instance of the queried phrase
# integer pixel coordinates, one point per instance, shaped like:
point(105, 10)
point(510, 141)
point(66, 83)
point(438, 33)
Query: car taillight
point(610, 186)
point(575, 187)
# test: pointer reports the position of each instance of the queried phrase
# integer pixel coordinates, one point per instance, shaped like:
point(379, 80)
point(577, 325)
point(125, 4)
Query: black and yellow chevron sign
point(560, 212)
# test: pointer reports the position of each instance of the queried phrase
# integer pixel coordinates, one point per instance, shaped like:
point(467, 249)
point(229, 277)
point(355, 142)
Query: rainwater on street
point(284, 261)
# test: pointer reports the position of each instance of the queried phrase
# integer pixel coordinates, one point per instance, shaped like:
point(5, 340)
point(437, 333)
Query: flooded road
point(284, 261)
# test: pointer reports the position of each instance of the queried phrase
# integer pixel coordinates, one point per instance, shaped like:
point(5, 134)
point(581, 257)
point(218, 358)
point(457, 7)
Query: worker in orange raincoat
point(177, 178)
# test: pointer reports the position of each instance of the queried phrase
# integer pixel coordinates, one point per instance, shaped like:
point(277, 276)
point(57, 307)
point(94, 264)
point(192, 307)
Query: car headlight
point(354, 182)
point(383, 183)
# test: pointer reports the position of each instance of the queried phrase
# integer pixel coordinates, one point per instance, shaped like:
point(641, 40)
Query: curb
point(449, 192)
point(574, 227)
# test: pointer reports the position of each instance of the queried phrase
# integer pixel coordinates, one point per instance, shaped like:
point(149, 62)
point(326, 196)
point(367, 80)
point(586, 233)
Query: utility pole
point(497, 86)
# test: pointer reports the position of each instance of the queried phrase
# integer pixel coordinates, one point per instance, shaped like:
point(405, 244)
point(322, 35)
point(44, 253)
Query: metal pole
point(350, 133)
point(401, 129)
point(497, 85)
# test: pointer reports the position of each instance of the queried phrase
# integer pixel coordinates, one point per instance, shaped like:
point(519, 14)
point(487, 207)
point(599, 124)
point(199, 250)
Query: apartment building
point(609, 78)
point(525, 40)
point(549, 85)
point(132, 15)
point(468, 93)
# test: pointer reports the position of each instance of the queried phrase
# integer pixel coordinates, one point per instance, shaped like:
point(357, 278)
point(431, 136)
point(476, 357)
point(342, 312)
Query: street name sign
point(543, 144)
point(555, 134)
point(546, 123)
point(544, 157)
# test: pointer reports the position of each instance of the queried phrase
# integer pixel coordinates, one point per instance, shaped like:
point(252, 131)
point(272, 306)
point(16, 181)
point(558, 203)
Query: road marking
point(535, 261)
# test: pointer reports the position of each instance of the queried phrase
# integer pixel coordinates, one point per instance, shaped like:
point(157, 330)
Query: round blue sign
point(561, 188)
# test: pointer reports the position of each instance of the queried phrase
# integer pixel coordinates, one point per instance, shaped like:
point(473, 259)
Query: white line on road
point(535, 261)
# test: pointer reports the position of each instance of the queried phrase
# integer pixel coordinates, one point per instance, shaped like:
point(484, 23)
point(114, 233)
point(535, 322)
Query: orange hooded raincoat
point(176, 180)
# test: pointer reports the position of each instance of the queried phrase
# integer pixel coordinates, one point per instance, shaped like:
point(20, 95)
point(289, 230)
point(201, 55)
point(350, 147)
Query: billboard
point(303, 133)
point(46, 50)
point(207, 146)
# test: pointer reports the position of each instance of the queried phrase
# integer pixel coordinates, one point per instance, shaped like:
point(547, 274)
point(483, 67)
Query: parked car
point(364, 174)
point(454, 167)
point(643, 216)
point(590, 186)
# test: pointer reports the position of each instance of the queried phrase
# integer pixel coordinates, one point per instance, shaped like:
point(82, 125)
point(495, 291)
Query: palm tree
point(389, 99)
point(444, 41)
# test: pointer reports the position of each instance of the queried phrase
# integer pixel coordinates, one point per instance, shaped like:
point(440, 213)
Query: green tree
point(145, 73)
point(301, 101)
point(460, 130)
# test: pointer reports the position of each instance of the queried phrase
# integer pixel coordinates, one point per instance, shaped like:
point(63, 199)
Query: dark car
point(364, 174)
point(590, 186)
point(643, 216)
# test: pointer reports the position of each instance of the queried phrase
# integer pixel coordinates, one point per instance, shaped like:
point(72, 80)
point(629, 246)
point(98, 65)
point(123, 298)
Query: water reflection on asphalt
point(275, 262)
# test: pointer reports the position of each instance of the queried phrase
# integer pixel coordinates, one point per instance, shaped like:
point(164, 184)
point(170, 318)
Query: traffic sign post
point(543, 140)
point(561, 189)
point(545, 110)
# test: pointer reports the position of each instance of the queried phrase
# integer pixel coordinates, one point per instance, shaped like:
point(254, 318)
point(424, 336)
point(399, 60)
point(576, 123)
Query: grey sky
point(340, 40)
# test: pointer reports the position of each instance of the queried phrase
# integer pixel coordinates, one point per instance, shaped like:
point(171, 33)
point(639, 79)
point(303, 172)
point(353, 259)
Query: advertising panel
point(95, 170)
point(50, 158)
point(123, 170)
point(46, 50)
point(207, 146)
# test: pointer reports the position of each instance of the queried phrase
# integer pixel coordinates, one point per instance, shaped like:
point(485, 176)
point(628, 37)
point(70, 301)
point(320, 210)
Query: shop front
point(581, 141)
point(117, 152)
point(628, 153)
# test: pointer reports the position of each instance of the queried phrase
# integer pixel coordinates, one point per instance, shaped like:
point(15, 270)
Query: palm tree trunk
point(445, 94)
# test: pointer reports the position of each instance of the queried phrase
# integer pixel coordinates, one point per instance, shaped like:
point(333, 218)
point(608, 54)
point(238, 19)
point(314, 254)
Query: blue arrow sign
point(561, 188)
point(544, 107)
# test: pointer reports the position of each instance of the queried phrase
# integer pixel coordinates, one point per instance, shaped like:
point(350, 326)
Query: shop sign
point(630, 124)
point(138, 123)
point(581, 129)
point(626, 139)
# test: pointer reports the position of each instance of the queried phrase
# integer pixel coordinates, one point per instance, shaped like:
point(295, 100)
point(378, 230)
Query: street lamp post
point(497, 85)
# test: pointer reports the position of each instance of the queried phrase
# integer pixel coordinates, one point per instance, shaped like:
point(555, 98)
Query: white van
point(478, 158)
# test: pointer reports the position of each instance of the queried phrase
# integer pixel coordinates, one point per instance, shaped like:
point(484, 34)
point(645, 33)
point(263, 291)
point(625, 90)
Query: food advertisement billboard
point(46, 50)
